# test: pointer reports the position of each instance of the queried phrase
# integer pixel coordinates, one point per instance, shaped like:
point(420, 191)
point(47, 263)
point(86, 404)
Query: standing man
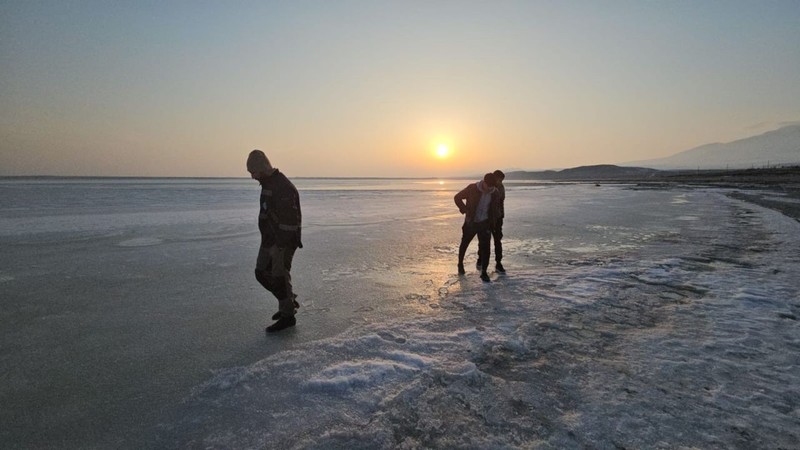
point(500, 213)
point(279, 221)
point(479, 211)
point(497, 229)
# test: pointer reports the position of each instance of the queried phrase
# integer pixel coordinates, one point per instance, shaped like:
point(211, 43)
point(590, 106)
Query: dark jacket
point(501, 199)
point(472, 195)
point(279, 217)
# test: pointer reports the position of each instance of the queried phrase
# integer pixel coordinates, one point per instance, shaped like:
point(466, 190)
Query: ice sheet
point(619, 324)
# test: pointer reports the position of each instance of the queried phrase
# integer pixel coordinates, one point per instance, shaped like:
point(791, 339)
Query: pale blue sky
point(346, 88)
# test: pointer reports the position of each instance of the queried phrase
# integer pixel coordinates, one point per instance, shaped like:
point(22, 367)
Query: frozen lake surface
point(629, 318)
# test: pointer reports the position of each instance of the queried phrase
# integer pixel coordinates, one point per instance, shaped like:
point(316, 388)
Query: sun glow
point(442, 151)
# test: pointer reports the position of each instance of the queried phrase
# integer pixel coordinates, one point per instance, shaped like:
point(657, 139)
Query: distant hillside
point(778, 147)
point(599, 172)
point(786, 177)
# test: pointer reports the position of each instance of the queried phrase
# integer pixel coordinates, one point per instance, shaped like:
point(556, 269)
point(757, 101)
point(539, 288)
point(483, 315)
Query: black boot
point(461, 270)
point(499, 267)
point(277, 315)
point(485, 277)
point(282, 324)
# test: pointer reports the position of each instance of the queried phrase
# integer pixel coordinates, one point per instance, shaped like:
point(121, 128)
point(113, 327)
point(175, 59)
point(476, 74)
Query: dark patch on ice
point(386, 336)
point(422, 298)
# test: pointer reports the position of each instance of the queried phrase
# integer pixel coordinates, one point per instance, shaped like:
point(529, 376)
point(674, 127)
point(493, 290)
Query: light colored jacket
point(472, 195)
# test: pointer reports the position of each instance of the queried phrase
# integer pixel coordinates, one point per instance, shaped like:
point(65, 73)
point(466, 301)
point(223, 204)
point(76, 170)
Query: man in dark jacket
point(500, 213)
point(279, 222)
point(497, 229)
point(479, 211)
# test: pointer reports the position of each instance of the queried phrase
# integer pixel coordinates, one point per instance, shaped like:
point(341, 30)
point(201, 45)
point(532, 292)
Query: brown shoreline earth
point(777, 188)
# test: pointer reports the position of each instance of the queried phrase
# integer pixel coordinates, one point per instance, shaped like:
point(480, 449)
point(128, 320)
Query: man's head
point(500, 175)
point(258, 165)
point(490, 179)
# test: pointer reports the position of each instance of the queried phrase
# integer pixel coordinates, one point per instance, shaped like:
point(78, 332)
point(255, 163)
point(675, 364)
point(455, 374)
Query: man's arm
point(288, 215)
point(459, 199)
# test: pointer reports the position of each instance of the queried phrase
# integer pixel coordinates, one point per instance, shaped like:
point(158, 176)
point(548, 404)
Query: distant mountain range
point(787, 175)
point(599, 172)
point(778, 147)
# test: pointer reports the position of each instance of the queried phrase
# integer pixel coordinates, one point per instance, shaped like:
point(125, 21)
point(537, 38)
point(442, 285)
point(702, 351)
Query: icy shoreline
point(691, 342)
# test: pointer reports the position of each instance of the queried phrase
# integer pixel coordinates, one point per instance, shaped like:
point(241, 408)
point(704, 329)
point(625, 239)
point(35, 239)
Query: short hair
point(490, 179)
point(499, 174)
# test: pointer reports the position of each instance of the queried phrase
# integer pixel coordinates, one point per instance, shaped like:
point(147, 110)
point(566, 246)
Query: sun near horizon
point(442, 151)
point(448, 154)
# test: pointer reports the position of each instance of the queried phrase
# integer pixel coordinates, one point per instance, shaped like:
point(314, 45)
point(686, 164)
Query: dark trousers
point(272, 271)
point(468, 232)
point(497, 235)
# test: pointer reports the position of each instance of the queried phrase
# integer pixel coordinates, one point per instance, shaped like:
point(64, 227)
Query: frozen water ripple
point(140, 242)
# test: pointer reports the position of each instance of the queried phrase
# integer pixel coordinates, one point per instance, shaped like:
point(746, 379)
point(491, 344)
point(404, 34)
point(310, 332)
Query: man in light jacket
point(479, 215)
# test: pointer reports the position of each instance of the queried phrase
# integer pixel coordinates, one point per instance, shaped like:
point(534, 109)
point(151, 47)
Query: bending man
point(479, 211)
